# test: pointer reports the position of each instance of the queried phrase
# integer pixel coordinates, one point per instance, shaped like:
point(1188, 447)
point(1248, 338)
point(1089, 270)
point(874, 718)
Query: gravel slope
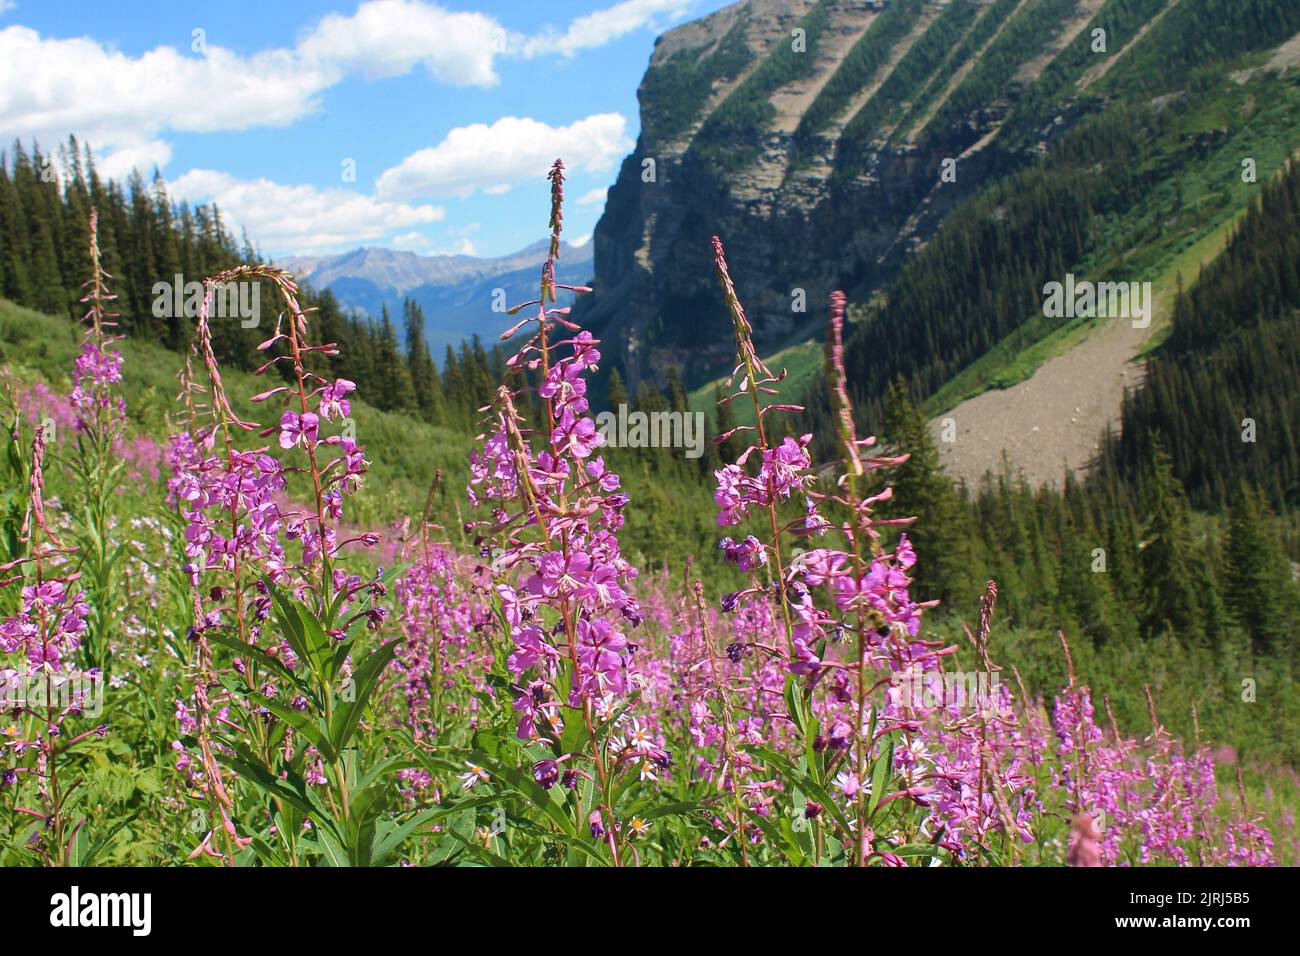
point(1051, 422)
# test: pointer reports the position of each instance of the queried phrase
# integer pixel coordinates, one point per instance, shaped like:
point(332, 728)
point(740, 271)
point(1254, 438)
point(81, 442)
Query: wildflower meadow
point(210, 661)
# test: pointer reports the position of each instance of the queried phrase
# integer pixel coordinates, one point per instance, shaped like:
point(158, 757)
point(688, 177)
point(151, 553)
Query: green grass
point(803, 362)
point(404, 453)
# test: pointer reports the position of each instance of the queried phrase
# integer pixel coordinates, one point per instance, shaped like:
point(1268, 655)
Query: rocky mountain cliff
point(811, 136)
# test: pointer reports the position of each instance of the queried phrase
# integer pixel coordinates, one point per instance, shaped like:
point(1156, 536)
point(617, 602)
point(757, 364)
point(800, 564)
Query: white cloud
point(461, 247)
point(595, 196)
point(139, 156)
point(411, 241)
point(494, 157)
point(389, 37)
point(300, 219)
point(51, 87)
point(422, 244)
point(598, 28)
point(581, 240)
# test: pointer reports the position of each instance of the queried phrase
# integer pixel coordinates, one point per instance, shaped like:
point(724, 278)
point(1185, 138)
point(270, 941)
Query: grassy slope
point(673, 516)
point(404, 453)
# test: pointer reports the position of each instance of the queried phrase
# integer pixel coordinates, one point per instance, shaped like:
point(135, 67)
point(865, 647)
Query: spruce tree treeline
point(1221, 392)
point(146, 238)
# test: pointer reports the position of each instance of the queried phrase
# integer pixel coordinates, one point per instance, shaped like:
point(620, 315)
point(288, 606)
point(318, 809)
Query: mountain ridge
point(457, 292)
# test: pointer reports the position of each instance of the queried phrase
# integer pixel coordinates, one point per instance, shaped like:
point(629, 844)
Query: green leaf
point(306, 640)
point(331, 849)
point(364, 681)
point(880, 772)
point(786, 768)
point(257, 654)
point(790, 848)
point(306, 724)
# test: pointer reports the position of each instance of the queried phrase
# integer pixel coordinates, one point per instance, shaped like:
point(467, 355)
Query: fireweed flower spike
point(190, 482)
point(44, 636)
point(784, 469)
point(293, 623)
point(98, 464)
point(560, 577)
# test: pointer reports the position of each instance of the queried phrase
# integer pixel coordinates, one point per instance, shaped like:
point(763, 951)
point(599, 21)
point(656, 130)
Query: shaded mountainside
point(825, 159)
point(817, 156)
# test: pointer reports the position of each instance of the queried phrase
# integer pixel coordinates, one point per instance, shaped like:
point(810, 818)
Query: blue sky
point(449, 112)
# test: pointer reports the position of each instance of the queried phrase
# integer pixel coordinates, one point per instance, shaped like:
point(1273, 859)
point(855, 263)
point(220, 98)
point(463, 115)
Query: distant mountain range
point(455, 291)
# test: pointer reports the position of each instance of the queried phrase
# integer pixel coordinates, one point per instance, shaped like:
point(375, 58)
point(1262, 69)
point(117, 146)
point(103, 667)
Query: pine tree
point(943, 532)
point(14, 283)
point(1259, 590)
point(617, 391)
point(459, 404)
point(392, 378)
point(1169, 556)
point(425, 382)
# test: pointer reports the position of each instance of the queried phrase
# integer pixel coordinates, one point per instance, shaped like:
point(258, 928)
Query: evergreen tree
point(1169, 556)
point(425, 382)
point(459, 405)
point(617, 391)
point(1259, 590)
point(943, 532)
point(392, 383)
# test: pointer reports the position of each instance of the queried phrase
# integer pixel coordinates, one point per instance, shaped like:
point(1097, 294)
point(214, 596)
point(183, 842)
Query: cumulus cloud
point(51, 87)
point(492, 158)
point(420, 243)
point(410, 241)
point(300, 219)
point(597, 195)
point(144, 157)
point(598, 28)
point(390, 37)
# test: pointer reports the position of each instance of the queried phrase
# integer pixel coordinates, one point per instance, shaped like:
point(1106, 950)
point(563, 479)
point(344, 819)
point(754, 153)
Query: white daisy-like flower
point(475, 774)
point(848, 784)
point(606, 707)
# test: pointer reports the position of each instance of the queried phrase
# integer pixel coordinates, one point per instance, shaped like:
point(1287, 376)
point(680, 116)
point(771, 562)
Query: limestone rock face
point(810, 135)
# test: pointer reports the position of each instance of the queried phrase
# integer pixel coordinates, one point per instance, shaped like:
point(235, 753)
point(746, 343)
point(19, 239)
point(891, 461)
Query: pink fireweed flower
point(557, 509)
point(576, 435)
point(298, 429)
point(607, 480)
point(747, 554)
point(604, 668)
point(332, 400)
